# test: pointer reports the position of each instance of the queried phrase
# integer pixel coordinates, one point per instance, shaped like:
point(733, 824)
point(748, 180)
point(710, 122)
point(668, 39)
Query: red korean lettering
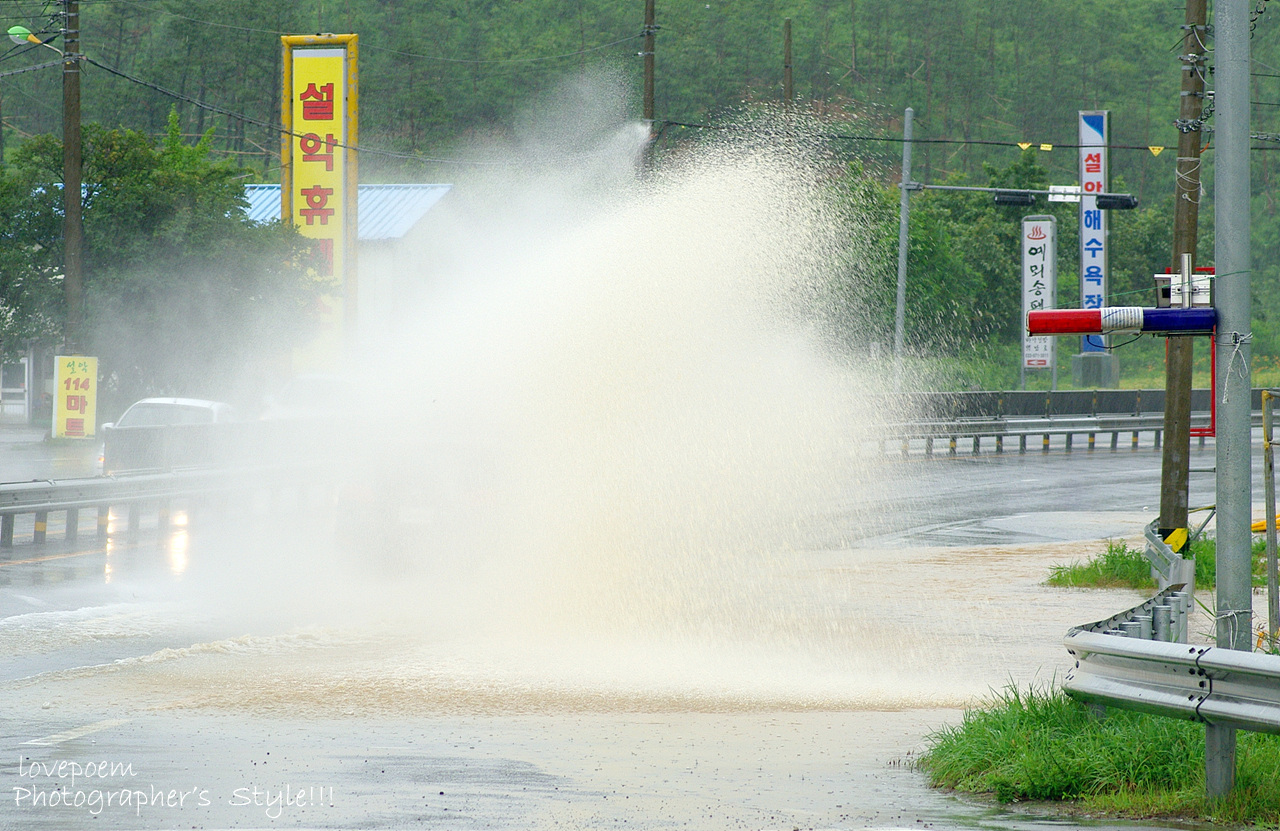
point(323, 249)
point(317, 197)
point(1093, 163)
point(315, 149)
point(75, 427)
point(317, 104)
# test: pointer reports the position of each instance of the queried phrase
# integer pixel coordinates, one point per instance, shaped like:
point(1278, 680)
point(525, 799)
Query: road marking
point(49, 557)
point(78, 732)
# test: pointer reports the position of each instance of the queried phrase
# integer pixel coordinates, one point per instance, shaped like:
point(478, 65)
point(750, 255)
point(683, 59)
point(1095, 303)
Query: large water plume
point(612, 432)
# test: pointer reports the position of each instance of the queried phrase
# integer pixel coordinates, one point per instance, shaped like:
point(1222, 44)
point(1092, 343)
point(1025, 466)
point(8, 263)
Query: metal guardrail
point(70, 496)
point(1123, 662)
point(1022, 429)
point(1022, 415)
point(1168, 565)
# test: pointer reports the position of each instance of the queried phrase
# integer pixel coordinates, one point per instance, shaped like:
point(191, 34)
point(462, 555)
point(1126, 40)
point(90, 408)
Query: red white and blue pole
point(1132, 319)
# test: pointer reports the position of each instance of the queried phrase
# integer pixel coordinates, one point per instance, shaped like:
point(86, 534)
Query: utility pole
point(72, 224)
point(1232, 285)
point(788, 88)
point(650, 32)
point(1175, 461)
point(904, 215)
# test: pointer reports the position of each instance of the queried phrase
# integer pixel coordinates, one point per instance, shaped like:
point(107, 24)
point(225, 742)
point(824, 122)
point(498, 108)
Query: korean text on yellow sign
point(319, 199)
point(75, 397)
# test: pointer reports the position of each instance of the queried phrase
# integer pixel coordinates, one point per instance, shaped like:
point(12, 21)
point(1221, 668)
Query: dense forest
point(981, 75)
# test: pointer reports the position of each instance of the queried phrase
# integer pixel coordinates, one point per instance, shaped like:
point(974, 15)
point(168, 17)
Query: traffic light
point(1117, 201)
point(1015, 197)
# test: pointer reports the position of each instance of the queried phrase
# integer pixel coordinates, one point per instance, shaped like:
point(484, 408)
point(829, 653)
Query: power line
point(388, 50)
point(275, 127)
point(898, 139)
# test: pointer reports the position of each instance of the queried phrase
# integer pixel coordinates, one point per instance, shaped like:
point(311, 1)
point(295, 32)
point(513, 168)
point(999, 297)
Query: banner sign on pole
point(318, 159)
point(1039, 284)
point(1094, 179)
point(75, 397)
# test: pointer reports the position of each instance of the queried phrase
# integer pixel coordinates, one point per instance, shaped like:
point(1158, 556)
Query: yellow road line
point(78, 732)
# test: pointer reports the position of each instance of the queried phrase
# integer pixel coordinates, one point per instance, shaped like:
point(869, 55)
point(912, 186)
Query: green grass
point(1043, 745)
point(1122, 567)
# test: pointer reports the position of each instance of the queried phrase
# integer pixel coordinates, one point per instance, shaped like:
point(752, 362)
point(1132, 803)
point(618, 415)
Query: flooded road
point(191, 682)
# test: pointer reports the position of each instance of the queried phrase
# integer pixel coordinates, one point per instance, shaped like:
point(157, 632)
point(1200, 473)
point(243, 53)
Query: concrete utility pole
point(650, 33)
point(1175, 462)
point(904, 215)
point(1232, 300)
point(788, 88)
point(72, 224)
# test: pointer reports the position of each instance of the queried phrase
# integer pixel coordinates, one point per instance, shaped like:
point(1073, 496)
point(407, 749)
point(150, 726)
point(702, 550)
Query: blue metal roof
point(386, 211)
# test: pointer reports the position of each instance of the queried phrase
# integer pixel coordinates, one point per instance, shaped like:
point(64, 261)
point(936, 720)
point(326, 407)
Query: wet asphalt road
point(67, 612)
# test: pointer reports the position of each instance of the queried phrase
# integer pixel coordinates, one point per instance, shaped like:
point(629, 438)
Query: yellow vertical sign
point(75, 396)
point(318, 159)
point(319, 153)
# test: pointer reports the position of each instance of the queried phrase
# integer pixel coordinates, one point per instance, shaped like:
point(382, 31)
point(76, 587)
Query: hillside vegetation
point(439, 77)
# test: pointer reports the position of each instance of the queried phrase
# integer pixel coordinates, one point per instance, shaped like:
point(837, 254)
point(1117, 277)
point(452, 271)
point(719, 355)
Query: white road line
point(78, 732)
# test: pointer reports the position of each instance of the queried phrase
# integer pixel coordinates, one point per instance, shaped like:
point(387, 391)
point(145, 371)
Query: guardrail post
point(6, 531)
point(1133, 445)
point(1115, 439)
point(951, 449)
point(162, 516)
point(1068, 437)
point(1044, 448)
point(104, 518)
point(1091, 442)
point(999, 444)
point(73, 523)
point(1022, 444)
point(906, 448)
point(977, 445)
point(42, 523)
point(928, 446)
point(135, 521)
point(1158, 432)
point(1160, 622)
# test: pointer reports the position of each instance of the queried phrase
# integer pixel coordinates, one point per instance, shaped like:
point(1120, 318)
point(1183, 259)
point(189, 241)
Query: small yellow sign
point(1155, 149)
point(75, 397)
point(1046, 147)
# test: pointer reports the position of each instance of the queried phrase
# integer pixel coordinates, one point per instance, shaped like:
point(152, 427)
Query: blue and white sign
point(1094, 179)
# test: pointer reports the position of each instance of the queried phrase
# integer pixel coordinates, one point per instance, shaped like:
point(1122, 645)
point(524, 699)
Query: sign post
point(1039, 288)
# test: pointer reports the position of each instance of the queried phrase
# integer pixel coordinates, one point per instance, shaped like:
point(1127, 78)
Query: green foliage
point(1041, 744)
point(1122, 567)
point(1205, 552)
point(182, 293)
point(1119, 567)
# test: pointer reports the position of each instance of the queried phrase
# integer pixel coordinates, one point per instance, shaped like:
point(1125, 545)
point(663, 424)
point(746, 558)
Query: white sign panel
point(1094, 135)
point(1039, 284)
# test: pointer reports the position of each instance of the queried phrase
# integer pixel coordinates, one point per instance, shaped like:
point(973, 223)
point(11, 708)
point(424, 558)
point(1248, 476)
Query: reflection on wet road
point(249, 676)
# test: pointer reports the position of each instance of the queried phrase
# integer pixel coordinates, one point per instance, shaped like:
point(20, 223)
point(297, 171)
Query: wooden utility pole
point(72, 224)
point(1175, 462)
point(788, 88)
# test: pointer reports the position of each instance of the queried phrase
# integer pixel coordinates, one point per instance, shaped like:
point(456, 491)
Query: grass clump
point(1121, 567)
point(1041, 744)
